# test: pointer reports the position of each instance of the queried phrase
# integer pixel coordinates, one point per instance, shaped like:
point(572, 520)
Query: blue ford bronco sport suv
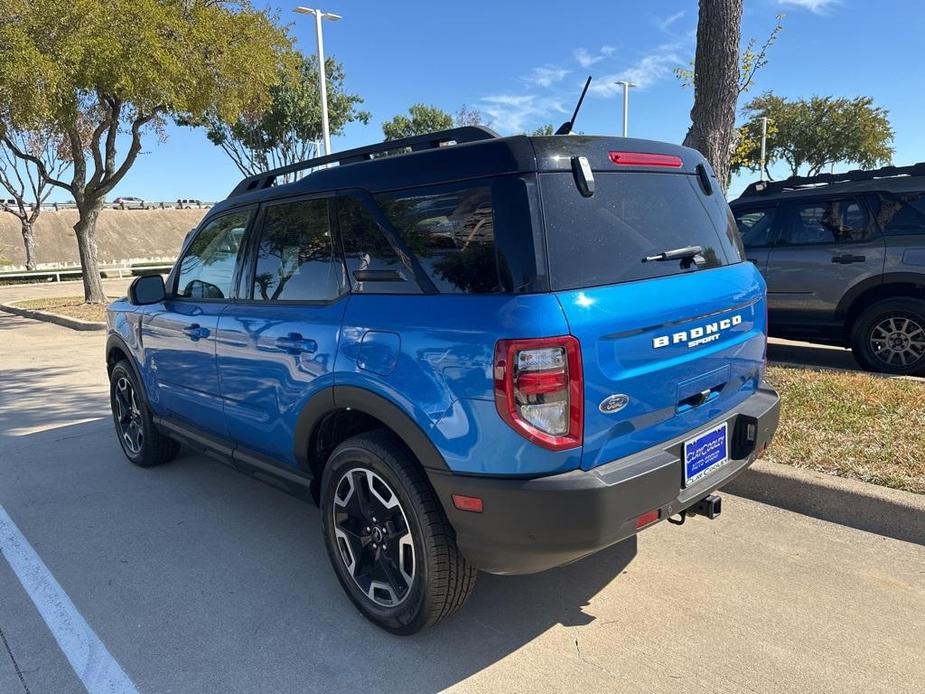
point(476, 352)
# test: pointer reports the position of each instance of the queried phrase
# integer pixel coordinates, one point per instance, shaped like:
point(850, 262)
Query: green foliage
point(166, 56)
point(543, 131)
point(286, 131)
point(751, 61)
point(100, 73)
point(421, 119)
point(816, 132)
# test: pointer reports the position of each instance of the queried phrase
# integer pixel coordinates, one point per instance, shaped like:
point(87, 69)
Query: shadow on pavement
point(45, 397)
point(199, 578)
point(812, 355)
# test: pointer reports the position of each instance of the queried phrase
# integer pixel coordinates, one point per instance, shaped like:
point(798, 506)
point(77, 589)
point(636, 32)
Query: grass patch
point(70, 306)
point(851, 425)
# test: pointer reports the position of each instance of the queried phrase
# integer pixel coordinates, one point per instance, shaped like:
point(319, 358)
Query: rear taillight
point(538, 389)
point(645, 159)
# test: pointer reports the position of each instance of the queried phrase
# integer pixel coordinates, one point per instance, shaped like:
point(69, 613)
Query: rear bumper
point(530, 525)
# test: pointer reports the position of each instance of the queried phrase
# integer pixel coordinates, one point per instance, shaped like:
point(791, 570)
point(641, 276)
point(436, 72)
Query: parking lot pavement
point(811, 354)
point(199, 579)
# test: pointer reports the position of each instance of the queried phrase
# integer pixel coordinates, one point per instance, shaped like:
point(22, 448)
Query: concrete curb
point(889, 512)
point(65, 321)
point(835, 369)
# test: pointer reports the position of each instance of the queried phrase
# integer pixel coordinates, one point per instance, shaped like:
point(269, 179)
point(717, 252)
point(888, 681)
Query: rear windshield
point(603, 239)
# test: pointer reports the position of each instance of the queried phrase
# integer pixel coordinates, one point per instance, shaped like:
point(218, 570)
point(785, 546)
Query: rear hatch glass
point(631, 216)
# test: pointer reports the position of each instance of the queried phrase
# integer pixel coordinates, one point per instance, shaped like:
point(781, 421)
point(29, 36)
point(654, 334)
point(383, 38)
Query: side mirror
point(147, 289)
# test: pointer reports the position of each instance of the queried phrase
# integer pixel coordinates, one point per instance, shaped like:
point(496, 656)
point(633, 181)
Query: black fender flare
point(117, 341)
point(362, 400)
point(852, 295)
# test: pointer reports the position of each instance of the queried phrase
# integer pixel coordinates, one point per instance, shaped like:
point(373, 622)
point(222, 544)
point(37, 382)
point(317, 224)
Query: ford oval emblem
point(613, 403)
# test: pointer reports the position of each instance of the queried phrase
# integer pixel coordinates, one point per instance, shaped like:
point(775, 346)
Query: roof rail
point(797, 182)
point(469, 133)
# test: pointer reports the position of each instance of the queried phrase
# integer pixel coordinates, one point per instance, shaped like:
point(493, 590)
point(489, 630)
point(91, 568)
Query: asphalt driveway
point(196, 578)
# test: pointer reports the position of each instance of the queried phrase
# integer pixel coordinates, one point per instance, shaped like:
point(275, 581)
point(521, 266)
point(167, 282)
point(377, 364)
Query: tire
point(889, 337)
point(414, 576)
point(141, 442)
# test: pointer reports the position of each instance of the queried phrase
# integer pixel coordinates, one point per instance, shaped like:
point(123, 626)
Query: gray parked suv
point(844, 260)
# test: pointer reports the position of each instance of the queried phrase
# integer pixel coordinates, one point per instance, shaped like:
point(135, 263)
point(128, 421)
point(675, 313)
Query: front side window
point(295, 256)
point(207, 268)
point(451, 233)
point(756, 226)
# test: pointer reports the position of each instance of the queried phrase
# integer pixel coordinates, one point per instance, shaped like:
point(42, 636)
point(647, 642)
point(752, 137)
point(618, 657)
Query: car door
point(276, 346)
point(826, 246)
point(758, 229)
point(179, 335)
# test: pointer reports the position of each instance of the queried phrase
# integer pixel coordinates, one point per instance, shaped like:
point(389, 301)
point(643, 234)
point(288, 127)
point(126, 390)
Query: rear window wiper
point(687, 255)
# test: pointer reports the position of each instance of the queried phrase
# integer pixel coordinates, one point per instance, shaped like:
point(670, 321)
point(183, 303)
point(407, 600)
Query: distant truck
point(188, 204)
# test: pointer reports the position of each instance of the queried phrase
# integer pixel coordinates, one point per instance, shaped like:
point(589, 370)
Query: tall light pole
point(626, 104)
point(764, 139)
point(322, 78)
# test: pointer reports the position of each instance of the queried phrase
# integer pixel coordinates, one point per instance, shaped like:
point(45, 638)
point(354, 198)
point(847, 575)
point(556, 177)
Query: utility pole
point(322, 78)
point(764, 139)
point(626, 104)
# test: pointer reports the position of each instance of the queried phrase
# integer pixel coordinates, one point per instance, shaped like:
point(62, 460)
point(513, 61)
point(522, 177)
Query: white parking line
point(94, 665)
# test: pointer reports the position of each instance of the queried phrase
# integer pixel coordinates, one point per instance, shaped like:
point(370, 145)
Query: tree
point(716, 83)
point(468, 116)
point(21, 179)
point(816, 132)
point(421, 119)
point(750, 62)
point(287, 131)
point(543, 131)
point(122, 67)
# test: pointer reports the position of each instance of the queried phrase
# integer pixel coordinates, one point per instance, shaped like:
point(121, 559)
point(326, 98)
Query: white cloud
point(511, 113)
point(665, 24)
point(651, 68)
point(585, 59)
point(816, 6)
point(608, 50)
point(546, 76)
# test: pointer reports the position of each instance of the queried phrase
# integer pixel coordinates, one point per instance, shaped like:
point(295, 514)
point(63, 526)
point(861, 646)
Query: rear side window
point(451, 233)
point(603, 239)
point(828, 222)
point(902, 213)
point(295, 257)
point(373, 265)
point(207, 268)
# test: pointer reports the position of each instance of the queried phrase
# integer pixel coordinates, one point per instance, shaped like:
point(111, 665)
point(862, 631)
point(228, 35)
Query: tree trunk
point(85, 228)
point(28, 241)
point(716, 84)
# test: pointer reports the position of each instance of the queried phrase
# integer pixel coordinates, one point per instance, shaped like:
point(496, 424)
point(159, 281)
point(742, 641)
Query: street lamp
point(322, 79)
point(626, 103)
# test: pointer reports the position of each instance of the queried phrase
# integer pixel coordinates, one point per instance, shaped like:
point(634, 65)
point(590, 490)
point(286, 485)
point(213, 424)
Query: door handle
point(848, 259)
point(294, 343)
point(195, 332)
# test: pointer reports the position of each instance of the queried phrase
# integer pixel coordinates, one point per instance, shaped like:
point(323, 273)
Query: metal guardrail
point(108, 271)
point(148, 205)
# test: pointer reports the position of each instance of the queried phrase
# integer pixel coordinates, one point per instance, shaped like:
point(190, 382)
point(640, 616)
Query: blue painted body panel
point(271, 360)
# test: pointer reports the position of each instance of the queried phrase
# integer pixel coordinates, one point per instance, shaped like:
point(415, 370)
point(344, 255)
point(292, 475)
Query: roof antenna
point(566, 127)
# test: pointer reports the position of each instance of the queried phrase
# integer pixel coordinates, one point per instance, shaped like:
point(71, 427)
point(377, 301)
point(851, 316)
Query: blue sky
point(522, 64)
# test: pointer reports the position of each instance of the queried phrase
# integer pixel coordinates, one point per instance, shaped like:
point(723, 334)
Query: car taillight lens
point(538, 389)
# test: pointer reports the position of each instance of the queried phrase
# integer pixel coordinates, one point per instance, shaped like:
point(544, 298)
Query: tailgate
point(681, 349)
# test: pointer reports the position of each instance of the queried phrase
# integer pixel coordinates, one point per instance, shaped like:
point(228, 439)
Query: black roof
point(858, 180)
point(442, 157)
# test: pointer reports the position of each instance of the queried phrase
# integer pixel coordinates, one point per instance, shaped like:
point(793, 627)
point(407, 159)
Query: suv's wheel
point(388, 539)
point(141, 442)
point(890, 337)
